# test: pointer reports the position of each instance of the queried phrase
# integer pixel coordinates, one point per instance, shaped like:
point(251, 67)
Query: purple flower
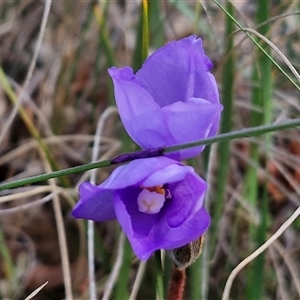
point(157, 201)
point(172, 99)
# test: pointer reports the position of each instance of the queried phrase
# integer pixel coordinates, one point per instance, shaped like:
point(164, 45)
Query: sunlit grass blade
point(145, 39)
point(142, 37)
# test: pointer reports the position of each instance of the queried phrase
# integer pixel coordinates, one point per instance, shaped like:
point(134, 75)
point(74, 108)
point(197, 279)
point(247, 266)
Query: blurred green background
point(254, 182)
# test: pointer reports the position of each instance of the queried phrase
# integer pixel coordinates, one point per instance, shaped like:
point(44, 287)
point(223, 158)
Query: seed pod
point(184, 256)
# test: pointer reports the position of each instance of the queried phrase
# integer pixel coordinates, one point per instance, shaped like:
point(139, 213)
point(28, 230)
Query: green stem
point(226, 126)
point(262, 98)
point(159, 276)
point(244, 133)
point(248, 132)
point(42, 177)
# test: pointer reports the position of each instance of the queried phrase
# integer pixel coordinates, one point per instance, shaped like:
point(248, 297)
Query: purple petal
point(190, 230)
point(181, 220)
point(95, 203)
point(187, 198)
point(135, 224)
point(175, 124)
point(136, 172)
point(136, 105)
point(150, 130)
point(147, 233)
point(172, 99)
point(178, 223)
point(177, 72)
point(188, 122)
point(132, 99)
point(169, 174)
point(213, 96)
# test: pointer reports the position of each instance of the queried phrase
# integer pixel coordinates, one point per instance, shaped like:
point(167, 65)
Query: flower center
point(151, 200)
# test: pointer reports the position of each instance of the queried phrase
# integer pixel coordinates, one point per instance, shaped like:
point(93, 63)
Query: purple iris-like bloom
point(172, 99)
point(157, 201)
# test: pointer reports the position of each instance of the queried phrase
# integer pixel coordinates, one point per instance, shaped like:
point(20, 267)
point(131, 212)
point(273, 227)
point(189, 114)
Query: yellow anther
point(158, 189)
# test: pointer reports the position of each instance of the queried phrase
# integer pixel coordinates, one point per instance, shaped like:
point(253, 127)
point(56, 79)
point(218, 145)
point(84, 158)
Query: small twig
point(36, 291)
point(282, 291)
point(25, 193)
point(30, 70)
point(29, 205)
point(62, 240)
point(91, 230)
point(116, 269)
point(258, 251)
point(258, 45)
point(138, 280)
point(276, 49)
point(208, 199)
point(291, 265)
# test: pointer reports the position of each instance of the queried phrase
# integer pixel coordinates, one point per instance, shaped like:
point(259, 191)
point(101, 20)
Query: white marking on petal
point(150, 202)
